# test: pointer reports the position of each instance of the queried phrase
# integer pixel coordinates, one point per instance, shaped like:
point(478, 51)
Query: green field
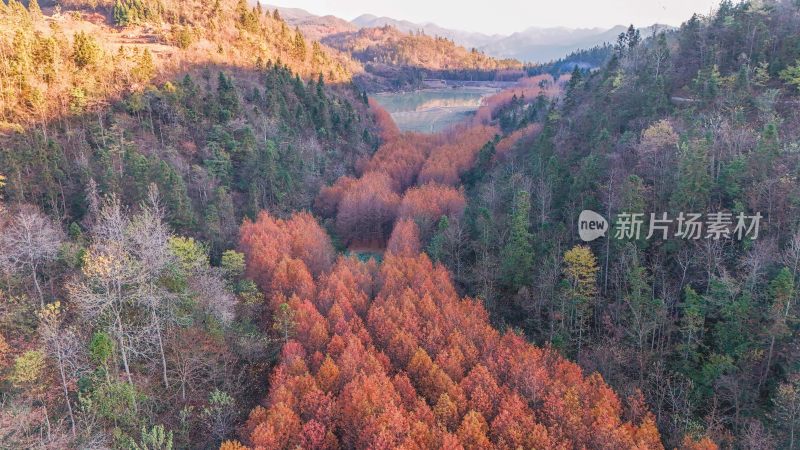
point(432, 110)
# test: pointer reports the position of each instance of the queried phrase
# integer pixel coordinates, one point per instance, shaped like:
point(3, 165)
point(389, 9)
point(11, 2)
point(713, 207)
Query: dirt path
point(111, 38)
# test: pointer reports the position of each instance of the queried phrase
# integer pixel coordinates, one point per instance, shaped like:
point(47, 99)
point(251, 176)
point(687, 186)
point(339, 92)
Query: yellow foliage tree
point(580, 270)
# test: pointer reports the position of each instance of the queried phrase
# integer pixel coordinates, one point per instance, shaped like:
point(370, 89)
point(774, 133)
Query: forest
point(211, 237)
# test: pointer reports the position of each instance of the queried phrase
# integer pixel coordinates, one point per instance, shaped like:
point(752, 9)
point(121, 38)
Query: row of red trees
point(390, 357)
point(388, 129)
point(448, 161)
point(366, 208)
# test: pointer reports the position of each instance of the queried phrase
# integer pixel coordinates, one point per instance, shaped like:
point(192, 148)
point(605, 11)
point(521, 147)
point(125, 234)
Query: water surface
point(432, 110)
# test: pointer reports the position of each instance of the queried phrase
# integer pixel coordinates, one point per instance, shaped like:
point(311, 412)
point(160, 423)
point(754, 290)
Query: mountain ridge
point(531, 45)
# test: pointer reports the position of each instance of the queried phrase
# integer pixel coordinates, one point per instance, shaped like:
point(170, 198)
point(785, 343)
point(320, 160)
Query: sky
point(508, 16)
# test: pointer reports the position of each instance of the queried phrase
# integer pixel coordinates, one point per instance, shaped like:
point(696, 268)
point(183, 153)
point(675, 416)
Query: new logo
point(591, 225)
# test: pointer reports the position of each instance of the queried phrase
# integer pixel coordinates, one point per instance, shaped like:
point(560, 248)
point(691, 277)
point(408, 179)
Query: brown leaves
point(447, 162)
point(388, 129)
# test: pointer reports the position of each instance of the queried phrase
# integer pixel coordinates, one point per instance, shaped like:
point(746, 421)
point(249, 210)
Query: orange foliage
point(482, 391)
point(515, 427)
point(282, 255)
point(446, 412)
point(291, 277)
point(386, 126)
point(448, 161)
point(281, 429)
point(404, 240)
point(329, 197)
point(402, 158)
point(507, 143)
point(391, 357)
point(703, 443)
point(310, 243)
point(328, 376)
point(372, 414)
point(472, 432)
point(232, 445)
point(428, 203)
point(367, 210)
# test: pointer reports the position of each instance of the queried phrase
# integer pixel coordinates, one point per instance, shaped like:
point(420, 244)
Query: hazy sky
point(507, 16)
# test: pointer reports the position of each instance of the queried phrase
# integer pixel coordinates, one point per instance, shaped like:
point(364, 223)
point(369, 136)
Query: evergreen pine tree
point(518, 251)
point(34, 10)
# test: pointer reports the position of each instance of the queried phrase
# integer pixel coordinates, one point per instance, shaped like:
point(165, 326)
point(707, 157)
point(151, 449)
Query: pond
point(432, 110)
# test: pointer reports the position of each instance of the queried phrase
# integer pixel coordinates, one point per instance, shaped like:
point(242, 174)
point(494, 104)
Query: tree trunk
point(769, 363)
point(122, 349)
point(38, 287)
point(46, 417)
point(64, 386)
point(161, 351)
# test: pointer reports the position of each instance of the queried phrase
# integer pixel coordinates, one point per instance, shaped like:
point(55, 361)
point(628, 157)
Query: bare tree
point(791, 255)
point(756, 437)
point(213, 295)
point(149, 241)
point(107, 291)
point(64, 346)
point(30, 241)
point(92, 202)
point(786, 410)
point(543, 193)
point(454, 242)
point(712, 255)
point(757, 259)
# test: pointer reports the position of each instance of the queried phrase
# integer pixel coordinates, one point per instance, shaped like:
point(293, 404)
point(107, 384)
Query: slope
point(198, 104)
point(700, 120)
point(135, 138)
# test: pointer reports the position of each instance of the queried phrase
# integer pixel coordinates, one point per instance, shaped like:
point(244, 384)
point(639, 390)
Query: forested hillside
point(223, 122)
point(700, 120)
point(403, 60)
point(134, 138)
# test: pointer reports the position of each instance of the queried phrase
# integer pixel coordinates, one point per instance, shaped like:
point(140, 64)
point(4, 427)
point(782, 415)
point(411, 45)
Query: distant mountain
point(535, 44)
point(386, 45)
point(313, 26)
point(547, 44)
point(466, 38)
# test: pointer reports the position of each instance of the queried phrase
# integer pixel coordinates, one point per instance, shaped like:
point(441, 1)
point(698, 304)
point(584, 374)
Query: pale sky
point(508, 16)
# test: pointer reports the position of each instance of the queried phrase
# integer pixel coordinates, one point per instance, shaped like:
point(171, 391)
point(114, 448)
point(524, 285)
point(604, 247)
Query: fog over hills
point(535, 44)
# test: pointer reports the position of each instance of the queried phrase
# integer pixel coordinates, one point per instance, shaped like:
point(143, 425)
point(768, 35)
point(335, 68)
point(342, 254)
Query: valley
point(232, 226)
